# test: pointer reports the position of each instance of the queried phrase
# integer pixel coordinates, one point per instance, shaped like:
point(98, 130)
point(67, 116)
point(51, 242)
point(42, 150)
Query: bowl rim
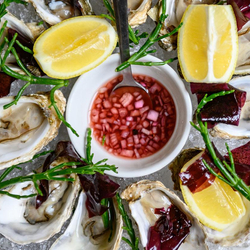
point(177, 140)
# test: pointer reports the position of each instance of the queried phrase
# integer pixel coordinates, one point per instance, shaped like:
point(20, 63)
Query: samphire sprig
point(133, 36)
point(153, 37)
point(28, 77)
point(134, 241)
point(56, 173)
point(228, 171)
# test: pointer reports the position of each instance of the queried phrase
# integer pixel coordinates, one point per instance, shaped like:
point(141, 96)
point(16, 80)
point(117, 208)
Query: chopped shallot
point(130, 128)
point(126, 99)
point(153, 115)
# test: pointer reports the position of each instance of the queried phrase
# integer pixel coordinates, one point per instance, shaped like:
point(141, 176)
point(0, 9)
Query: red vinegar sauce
point(125, 126)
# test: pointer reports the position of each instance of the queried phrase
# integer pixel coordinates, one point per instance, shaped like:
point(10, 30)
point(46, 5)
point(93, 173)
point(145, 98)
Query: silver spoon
point(128, 84)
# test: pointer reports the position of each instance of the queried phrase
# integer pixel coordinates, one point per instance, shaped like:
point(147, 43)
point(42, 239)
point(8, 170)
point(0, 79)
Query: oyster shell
point(28, 30)
point(243, 62)
point(76, 235)
point(236, 234)
point(243, 129)
point(53, 11)
point(138, 11)
point(15, 215)
point(144, 196)
point(27, 127)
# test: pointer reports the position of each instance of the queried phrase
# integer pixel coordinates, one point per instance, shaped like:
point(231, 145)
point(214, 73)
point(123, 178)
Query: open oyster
point(53, 11)
point(138, 11)
point(146, 196)
point(234, 234)
point(29, 30)
point(27, 127)
point(243, 129)
point(89, 233)
point(27, 34)
point(22, 222)
point(243, 62)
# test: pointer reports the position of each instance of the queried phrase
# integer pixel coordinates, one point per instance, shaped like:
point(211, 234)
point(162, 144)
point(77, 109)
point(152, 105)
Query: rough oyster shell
point(16, 228)
point(138, 11)
point(159, 196)
point(74, 236)
point(18, 142)
point(243, 129)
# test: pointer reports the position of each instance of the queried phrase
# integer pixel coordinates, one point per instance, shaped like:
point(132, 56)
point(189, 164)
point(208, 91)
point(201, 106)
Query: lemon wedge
point(208, 43)
point(217, 206)
point(74, 46)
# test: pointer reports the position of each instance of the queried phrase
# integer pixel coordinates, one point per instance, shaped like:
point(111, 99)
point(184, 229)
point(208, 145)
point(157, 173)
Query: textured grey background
point(164, 175)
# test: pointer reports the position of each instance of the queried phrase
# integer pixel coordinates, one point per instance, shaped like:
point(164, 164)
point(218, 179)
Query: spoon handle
point(121, 17)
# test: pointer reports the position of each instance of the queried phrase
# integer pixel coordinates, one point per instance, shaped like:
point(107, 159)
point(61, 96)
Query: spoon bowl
point(128, 84)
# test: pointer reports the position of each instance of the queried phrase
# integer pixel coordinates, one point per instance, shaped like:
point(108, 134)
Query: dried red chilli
point(130, 128)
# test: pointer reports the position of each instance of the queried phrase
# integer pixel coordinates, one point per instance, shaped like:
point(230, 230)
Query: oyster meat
point(27, 127)
point(28, 30)
point(145, 196)
point(53, 11)
point(89, 233)
point(22, 223)
point(243, 129)
point(138, 11)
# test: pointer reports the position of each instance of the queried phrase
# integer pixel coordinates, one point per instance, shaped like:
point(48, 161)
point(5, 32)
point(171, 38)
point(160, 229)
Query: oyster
point(28, 30)
point(19, 218)
point(144, 196)
point(27, 34)
point(243, 129)
point(27, 127)
point(243, 62)
point(85, 233)
point(53, 11)
point(234, 234)
point(138, 11)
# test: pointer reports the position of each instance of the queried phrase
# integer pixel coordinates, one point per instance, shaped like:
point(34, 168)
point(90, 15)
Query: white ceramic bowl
point(80, 101)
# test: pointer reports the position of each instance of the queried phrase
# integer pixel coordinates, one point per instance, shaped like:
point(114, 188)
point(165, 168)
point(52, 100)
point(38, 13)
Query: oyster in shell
point(85, 233)
point(27, 127)
point(138, 12)
point(28, 32)
point(144, 196)
point(243, 129)
point(243, 62)
point(234, 234)
point(53, 11)
point(22, 223)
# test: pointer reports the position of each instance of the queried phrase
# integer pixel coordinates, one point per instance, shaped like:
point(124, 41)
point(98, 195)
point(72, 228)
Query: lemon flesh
point(74, 46)
point(208, 43)
point(217, 206)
